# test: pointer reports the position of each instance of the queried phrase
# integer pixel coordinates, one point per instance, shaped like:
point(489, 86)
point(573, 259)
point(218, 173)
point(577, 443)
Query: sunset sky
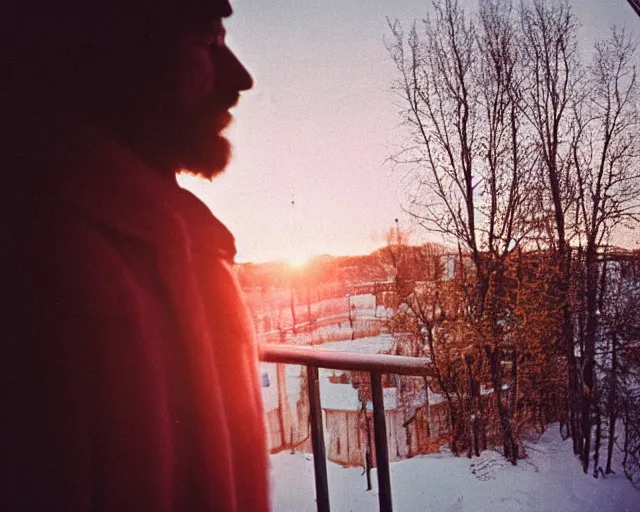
point(320, 122)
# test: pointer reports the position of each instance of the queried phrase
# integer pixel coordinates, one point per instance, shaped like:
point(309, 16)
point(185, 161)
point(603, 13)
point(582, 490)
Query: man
point(127, 362)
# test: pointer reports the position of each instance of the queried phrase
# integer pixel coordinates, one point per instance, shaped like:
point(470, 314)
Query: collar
point(102, 178)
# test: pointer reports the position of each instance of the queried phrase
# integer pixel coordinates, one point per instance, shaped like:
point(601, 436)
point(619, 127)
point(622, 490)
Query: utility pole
point(293, 250)
point(294, 227)
point(397, 231)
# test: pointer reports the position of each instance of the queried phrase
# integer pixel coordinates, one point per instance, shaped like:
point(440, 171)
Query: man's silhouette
point(127, 362)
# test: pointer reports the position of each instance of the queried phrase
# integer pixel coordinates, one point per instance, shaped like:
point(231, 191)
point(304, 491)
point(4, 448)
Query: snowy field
point(549, 480)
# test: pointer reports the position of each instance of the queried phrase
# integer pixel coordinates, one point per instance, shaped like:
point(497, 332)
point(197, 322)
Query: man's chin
point(209, 161)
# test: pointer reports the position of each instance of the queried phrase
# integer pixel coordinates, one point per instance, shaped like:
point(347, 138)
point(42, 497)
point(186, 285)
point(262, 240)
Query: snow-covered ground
point(549, 480)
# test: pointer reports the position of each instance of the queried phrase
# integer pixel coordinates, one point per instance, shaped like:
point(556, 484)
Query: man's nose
point(236, 75)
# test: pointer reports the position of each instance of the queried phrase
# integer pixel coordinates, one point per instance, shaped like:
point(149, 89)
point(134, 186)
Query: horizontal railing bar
point(338, 360)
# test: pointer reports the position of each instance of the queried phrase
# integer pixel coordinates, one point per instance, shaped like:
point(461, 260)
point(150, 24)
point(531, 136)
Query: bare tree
point(470, 163)
point(550, 57)
point(619, 328)
point(513, 146)
point(509, 162)
point(553, 72)
point(437, 87)
point(606, 160)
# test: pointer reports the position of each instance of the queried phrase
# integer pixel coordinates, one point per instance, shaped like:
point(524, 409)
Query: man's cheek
point(197, 77)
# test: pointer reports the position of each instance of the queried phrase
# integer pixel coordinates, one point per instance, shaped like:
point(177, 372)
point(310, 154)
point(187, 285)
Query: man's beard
point(195, 143)
point(175, 138)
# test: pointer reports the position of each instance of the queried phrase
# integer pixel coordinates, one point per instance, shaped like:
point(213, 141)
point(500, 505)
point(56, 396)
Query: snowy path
point(550, 480)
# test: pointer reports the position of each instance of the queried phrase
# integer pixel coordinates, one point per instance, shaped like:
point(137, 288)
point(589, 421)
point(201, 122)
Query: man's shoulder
point(49, 246)
point(39, 220)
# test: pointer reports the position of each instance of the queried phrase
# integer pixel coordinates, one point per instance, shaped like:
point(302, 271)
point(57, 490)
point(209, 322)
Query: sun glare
point(297, 261)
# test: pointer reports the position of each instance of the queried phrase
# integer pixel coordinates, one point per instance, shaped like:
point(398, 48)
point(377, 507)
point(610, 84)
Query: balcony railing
point(376, 365)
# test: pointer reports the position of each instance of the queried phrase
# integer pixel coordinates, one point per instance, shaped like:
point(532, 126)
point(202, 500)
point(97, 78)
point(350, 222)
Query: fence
point(376, 365)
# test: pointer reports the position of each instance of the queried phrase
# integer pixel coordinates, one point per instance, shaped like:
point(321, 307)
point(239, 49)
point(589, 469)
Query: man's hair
point(43, 41)
point(95, 57)
point(102, 60)
point(24, 21)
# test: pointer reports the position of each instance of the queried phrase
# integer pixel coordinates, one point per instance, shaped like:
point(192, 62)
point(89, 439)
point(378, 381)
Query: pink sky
point(321, 121)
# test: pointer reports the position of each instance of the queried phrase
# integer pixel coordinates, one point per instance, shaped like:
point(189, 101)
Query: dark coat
point(128, 370)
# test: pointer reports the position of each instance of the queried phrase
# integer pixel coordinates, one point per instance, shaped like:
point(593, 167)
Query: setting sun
point(297, 260)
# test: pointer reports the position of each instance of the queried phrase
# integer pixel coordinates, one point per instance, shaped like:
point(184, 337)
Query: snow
point(363, 301)
point(344, 397)
point(549, 480)
point(370, 345)
point(338, 397)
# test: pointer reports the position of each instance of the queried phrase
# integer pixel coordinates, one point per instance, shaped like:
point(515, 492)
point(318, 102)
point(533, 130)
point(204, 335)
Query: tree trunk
point(596, 448)
point(573, 402)
point(504, 416)
point(613, 385)
point(428, 405)
point(368, 464)
point(353, 334)
point(588, 363)
point(453, 418)
point(474, 438)
point(513, 405)
point(292, 305)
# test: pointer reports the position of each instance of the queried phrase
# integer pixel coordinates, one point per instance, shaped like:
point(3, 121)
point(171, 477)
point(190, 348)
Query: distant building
point(414, 430)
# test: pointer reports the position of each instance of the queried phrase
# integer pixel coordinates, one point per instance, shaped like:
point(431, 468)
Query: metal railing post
point(317, 440)
point(382, 450)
